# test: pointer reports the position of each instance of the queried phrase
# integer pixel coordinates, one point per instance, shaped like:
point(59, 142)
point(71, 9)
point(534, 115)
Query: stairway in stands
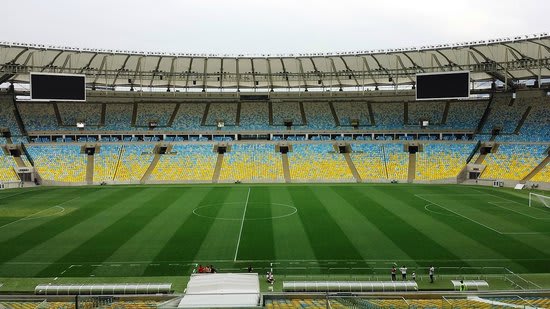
point(352, 167)
point(90, 170)
point(412, 168)
point(218, 168)
point(286, 167)
point(537, 169)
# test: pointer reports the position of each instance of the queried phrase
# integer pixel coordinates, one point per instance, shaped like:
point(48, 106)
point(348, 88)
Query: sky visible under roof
point(257, 26)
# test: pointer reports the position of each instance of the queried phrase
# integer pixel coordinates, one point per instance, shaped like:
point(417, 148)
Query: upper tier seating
point(464, 115)
point(7, 165)
point(254, 116)
point(252, 162)
point(105, 162)
point(369, 161)
point(189, 116)
point(226, 112)
point(134, 161)
point(536, 127)
point(346, 111)
point(7, 116)
point(71, 113)
point(388, 116)
point(319, 116)
point(283, 111)
point(503, 115)
point(159, 112)
point(427, 110)
point(441, 161)
point(38, 116)
point(317, 162)
point(513, 161)
point(118, 117)
point(62, 163)
point(194, 163)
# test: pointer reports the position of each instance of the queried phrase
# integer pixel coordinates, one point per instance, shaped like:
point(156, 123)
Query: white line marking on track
point(242, 224)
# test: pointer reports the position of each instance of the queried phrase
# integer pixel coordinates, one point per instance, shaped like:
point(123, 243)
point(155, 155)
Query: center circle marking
point(290, 210)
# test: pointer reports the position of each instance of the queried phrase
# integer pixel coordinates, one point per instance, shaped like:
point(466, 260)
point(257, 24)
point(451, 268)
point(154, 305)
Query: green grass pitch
point(148, 231)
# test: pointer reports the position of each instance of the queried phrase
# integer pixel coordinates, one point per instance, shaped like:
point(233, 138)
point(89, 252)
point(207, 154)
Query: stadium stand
point(118, 117)
point(535, 128)
point(189, 116)
point(254, 116)
point(369, 161)
point(513, 161)
point(283, 111)
point(431, 111)
point(63, 163)
point(105, 163)
point(7, 172)
point(7, 116)
point(397, 161)
point(388, 116)
point(189, 163)
point(70, 113)
point(251, 163)
point(227, 112)
point(441, 161)
point(543, 175)
point(319, 116)
point(503, 115)
point(465, 115)
point(318, 162)
point(310, 303)
point(346, 111)
point(134, 161)
point(159, 112)
point(38, 116)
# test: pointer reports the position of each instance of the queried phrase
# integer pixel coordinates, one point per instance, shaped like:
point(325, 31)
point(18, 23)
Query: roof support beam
point(253, 74)
point(188, 72)
point(285, 73)
point(301, 69)
point(349, 71)
point(269, 76)
point(101, 67)
point(155, 72)
point(369, 71)
point(49, 65)
point(171, 75)
point(67, 61)
point(334, 72)
point(204, 74)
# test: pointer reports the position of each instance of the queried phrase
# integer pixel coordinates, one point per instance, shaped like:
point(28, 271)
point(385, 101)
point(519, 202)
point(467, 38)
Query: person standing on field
point(393, 273)
point(403, 270)
point(431, 272)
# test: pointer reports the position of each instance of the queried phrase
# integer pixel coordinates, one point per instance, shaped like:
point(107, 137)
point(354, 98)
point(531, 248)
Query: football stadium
point(386, 178)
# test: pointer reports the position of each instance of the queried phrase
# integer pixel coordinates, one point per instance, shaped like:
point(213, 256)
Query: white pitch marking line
point(29, 217)
point(518, 212)
point(242, 224)
point(456, 213)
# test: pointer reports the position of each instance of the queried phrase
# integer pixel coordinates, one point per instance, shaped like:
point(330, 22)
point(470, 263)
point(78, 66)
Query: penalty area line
point(242, 224)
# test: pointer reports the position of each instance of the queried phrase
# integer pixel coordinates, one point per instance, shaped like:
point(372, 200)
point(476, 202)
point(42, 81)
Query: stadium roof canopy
point(509, 60)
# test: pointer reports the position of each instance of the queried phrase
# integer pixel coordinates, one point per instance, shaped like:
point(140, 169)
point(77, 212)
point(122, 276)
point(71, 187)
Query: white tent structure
point(222, 290)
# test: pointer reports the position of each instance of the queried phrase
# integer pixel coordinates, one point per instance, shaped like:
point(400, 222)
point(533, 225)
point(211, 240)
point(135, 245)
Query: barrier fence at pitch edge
point(376, 273)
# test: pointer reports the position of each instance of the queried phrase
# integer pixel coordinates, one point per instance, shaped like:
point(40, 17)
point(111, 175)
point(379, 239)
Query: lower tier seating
point(318, 162)
point(252, 162)
point(186, 163)
point(62, 163)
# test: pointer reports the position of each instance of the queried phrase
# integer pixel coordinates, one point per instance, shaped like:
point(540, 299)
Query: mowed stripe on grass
point(152, 230)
